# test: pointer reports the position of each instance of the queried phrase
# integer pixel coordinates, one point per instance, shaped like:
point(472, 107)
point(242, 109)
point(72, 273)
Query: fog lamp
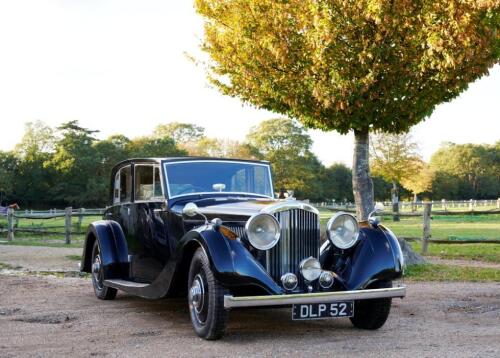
point(326, 279)
point(310, 268)
point(289, 281)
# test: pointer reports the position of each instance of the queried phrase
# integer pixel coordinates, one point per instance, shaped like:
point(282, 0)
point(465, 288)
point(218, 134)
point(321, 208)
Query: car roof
point(177, 159)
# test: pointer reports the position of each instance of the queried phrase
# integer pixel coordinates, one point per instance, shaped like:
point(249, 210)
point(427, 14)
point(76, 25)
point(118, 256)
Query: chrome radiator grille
point(299, 239)
point(238, 230)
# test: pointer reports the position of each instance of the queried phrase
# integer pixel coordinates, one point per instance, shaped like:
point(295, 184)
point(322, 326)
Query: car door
point(122, 198)
point(149, 223)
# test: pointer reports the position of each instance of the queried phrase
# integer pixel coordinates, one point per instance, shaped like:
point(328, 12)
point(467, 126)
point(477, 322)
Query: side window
point(157, 184)
point(147, 182)
point(123, 186)
point(143, 182)
point(116, 191)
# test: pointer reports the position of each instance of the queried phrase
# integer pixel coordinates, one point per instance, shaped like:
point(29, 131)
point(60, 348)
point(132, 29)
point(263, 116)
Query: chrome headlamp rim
point(277, 233)
point(337, 243)
point(314, 267)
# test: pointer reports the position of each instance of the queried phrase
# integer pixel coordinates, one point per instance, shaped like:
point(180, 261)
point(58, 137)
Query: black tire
point(372, 314)
point(205, 299)
point(102, 292)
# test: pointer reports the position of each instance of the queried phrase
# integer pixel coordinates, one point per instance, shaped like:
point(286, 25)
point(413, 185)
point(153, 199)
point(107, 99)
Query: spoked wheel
point(206, 299)
point(101, 291)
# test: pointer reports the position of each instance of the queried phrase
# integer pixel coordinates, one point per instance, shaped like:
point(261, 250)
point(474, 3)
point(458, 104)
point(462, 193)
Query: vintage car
point(211, 229)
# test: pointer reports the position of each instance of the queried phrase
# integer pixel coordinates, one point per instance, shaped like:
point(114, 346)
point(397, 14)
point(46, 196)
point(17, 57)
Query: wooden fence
point(68, 214)
point(444, 205)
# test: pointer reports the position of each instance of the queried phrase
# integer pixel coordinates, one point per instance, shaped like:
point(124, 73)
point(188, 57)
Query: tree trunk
point(395, 201)
point(414, 206)
point(362, 184)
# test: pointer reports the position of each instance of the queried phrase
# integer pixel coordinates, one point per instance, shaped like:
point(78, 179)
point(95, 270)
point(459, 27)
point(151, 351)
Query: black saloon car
point(211, 229)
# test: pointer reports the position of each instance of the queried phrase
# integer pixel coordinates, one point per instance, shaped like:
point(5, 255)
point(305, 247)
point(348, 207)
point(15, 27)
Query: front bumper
point(317, 297)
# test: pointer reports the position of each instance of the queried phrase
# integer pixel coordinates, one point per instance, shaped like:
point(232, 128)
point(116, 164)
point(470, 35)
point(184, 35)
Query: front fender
point(231, 262)
point(377, 257)
point(113, 249)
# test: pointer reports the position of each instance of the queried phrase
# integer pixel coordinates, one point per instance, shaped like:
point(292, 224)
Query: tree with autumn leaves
point(350, 65)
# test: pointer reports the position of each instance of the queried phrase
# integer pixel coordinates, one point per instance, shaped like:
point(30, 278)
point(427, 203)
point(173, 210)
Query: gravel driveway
point(45, 316)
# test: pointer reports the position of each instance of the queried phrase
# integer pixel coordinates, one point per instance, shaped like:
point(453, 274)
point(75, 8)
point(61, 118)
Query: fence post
point(81, 211)
point(427, 227)
point(10, 224)
point(498, 203)
point(67, 224)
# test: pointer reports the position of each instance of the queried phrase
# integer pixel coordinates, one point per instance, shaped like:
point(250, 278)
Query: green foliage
point(68, 166)
point(340, 65)
point(8, 165)
point(181, 133)
point(349, 65)
point(153, 147)
point(467, 171)
point(288, 147)
point(337, 183)
point(38, 139)
point(394, 156)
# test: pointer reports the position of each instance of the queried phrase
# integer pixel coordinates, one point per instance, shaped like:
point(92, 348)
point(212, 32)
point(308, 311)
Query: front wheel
point(206, 299)
point(372, 314)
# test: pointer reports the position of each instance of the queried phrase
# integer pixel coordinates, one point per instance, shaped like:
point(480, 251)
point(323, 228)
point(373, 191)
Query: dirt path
point(48, 316)
point(459, 262)
point(40, 258)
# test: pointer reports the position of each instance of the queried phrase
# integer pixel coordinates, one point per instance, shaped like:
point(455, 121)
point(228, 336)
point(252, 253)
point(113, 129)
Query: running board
point(124, 284)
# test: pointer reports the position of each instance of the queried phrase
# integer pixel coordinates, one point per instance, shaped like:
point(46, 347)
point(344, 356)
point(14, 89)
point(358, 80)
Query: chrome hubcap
point(197, 294)
point(96, 271)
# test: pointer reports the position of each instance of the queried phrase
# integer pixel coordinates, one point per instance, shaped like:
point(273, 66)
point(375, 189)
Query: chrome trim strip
point(317, 297)
point(288, 205)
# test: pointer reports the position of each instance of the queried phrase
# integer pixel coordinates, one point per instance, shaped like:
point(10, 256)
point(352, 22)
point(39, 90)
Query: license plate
point(322, 310)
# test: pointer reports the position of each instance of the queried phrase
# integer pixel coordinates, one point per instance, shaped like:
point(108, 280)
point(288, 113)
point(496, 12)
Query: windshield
point(203, 177)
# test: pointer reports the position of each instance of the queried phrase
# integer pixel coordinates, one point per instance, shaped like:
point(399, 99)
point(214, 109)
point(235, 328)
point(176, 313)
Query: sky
point(121, 66)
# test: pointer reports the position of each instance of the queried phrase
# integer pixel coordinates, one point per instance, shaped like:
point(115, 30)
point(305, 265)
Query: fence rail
point(444, 205)
point(68, 214)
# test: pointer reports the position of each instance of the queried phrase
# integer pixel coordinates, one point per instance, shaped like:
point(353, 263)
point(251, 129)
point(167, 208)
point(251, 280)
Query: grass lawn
point(450, 227)
point(478, 252)
point(430, 272)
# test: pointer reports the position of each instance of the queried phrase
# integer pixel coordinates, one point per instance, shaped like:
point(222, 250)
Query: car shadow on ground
point(244, 325)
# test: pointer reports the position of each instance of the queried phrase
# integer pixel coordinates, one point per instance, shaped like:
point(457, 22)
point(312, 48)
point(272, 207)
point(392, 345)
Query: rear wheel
point(372, 314)
point(101, 291)
point(206, 299)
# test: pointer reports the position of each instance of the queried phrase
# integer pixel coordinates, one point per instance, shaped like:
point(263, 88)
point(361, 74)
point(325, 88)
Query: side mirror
point(190, 209)
point(379, 207)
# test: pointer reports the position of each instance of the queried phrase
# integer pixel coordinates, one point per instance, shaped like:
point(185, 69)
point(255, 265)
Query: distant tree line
point(67, 165)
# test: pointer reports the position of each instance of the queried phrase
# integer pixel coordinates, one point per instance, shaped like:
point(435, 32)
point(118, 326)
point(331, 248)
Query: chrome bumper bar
point(317, 297)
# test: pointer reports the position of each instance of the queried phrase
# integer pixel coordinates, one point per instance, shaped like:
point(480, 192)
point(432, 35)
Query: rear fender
point(113, 248)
